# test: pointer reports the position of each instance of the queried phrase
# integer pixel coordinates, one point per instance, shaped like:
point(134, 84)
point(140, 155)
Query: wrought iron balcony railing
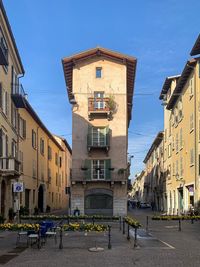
point(17, 89)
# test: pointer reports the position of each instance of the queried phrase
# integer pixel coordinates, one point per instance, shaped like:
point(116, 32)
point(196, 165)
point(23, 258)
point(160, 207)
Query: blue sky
point(160, 34)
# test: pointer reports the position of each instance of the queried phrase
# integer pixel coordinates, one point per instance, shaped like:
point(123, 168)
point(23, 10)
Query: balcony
point(85, 175)
point(3, 51)
point(99, 108)
point(9, 167)
point(18, 94)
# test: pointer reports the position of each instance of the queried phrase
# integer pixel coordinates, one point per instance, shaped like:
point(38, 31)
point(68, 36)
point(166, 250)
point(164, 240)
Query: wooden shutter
point(88, 170)
point(107, 167)
point(24, 128)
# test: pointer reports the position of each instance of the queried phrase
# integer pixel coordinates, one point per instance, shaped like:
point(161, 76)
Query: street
point(163, 245)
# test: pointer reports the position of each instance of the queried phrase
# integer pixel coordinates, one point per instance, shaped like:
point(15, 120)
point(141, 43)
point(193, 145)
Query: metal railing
point(98, 104)
point(80, 175)
point(9, 165)
point(17, 89)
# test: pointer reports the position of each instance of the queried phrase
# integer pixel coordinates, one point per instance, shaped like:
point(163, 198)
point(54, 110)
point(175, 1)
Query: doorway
point(3, 197)
point(41, 198)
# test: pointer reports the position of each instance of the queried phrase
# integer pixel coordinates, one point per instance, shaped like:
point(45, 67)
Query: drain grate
point(6, 258)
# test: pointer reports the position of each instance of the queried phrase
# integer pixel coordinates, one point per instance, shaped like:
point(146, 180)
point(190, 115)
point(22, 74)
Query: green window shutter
point(107, 167)
point(88, 169)
point(107, 136)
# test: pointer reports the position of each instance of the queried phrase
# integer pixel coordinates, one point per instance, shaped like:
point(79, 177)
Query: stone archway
point(99, 201)
point(3, 198)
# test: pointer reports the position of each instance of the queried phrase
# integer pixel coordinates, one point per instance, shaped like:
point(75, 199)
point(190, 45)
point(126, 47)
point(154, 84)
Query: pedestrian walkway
point(163, 245)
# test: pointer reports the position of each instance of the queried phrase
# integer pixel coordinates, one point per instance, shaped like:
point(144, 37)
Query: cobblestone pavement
point(163, 245)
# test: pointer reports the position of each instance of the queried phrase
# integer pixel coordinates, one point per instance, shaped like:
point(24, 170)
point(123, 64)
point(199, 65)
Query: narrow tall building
point(100, 86)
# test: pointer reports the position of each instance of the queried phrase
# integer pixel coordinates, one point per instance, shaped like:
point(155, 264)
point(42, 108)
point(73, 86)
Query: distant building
point(100, 86)
point(154, 180)
point(137, 192)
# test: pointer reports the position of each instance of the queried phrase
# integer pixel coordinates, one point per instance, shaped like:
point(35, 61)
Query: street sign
point(18, 187)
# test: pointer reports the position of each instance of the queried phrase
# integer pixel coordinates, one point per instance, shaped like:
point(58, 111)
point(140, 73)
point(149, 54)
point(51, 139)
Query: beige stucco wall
point(190, 140)
point(59, 200)
point(5, 121)
point(85, 83)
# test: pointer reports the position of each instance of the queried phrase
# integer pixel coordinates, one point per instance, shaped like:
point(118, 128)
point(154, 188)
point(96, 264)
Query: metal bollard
point(147, 224)
point(123, 227)
point(109, 237)
point(192, 220)
point(120, 223)
point(179, 224)
point(61, 239)
point(93, 220)
point(135, 238)
point(128, 235)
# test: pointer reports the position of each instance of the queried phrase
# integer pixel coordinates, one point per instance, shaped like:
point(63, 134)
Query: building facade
point(137, 192)
point(100, 88)
point(29, 153)
point(181, 146)
point(10, 69)
point(154, 179)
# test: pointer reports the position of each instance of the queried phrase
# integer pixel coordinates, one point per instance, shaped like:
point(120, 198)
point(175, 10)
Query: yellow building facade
point(180, 95)
point(154, 191)
point(10, 69)
point(29, 153)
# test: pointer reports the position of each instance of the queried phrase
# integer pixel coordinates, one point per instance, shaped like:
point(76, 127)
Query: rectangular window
point(4, 99)
point(56, 158)
point(60, 162)
point(49, 153)
point(191, 86)
point(99, 100)
point(169, 150)
point(181, 138)
point(3, 144)
point(14, 149)
point(33, 139)
point(173, 169)
point(191, 122)
point(177, 171)
point(176, 142)
point(181, 167)
point(191, 156)
point(169, 172)
point(22, 127)
point(98, 169)
point(98, 72)
point(42, 146)
point(98, 136)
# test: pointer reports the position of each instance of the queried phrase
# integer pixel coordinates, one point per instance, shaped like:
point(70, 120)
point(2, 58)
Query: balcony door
point(99, 100)
point(98, 169)
point(98, 136)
